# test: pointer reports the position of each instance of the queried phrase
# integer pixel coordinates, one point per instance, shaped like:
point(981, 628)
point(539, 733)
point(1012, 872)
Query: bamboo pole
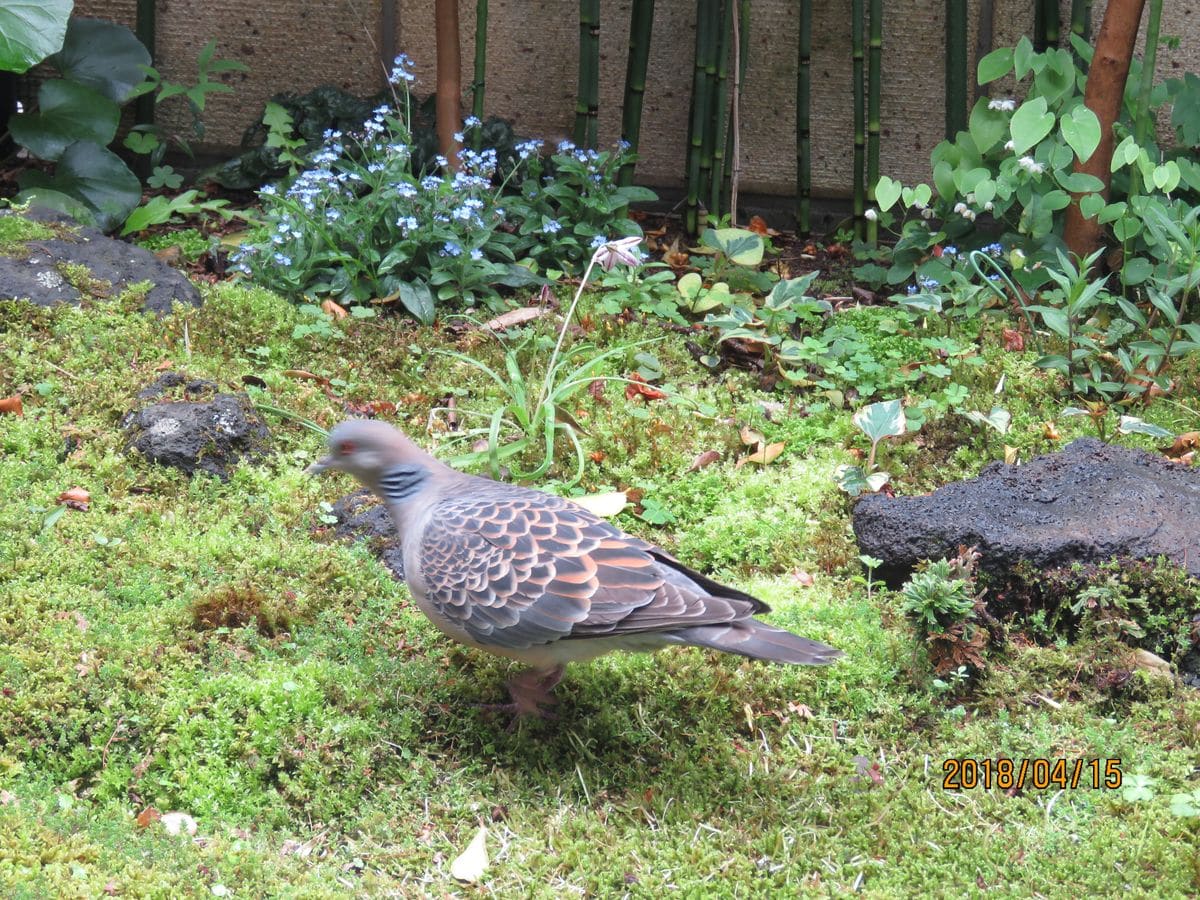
point(641, 24)
point(706, 27)
point(1143, 117)
point(712, 158)
point(984, 32)
point(1052, 23)
point(874, 102)
point(477, 86)
point(956, 67)
point(858, 90)
point(1081, 18)
point(587, 103)
point(1039, 25)
point(733, 139)
point(803, 135)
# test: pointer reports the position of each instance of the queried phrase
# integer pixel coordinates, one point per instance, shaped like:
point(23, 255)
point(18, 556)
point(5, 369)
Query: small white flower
point(1009, 145)
point(961, 208)
point(871, 215)
point(988, 207)
point(1006, 104)
point(969, 215)
point(624, 251)
point(1031, 165)
point(970, 198)
point(927, 213)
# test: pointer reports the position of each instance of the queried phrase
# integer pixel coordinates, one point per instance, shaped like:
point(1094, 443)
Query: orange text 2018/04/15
point(968, 773)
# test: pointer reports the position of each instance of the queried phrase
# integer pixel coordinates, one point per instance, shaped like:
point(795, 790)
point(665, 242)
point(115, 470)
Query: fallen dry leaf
point(800, 709)
point(764, 455)
point(604, 505)
point(639, 388)
point(164, 365)
point(75, 498)
point(148, 816)
point(750, 437)
point(306, 376)
point(597, 456)
point(1184, 444)
point(470, 865)
point(804, 578)
point(515, 317)
point(707, 458)
point(1050, 432)
point(1011, 454)
point(12, 405)
point(7, 799)
point(333, 309)
point(758, 225)
point(1014, 341)
point(372, 408)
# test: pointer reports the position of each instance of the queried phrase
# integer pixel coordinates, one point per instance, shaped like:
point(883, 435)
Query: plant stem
point(713, 156)
point(477, 86)
point(641, 24)
point(733, 145)
point(983, 41)
point(1143, 117)
point(874, 89)
point(956, 67)
point(803, 140)
point(587, 102)
point(857, 92)
point(1081, 18)
point(706, 15)
point(562, 332)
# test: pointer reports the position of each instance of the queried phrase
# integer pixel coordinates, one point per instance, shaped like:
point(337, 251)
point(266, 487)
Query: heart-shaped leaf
point(741, 246)
point(1090, 205)
point(918, 195)
point(94, 175)
point(880, 420)
point(1081, 131)
point(67, 112)
point(987, 125)
point(995, 65)
point(105, 56)
point(887, 192)
point(1030, 123)
point(30, 30)
point(1166, 176)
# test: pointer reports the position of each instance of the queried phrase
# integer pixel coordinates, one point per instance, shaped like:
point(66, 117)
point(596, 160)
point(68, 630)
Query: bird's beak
point(320, 466)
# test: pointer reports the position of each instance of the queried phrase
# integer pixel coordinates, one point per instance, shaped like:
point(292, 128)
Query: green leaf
point(741, 246)
point(165, 176)
point(943, 180)
point(60, 202)
point(854, 481)
point(999, 419)
point(1030, 123)
point(1134, 425)
point(94, 175)
point(1185, 113)
point(1081, 130)
point(66, 113)
point(1023, 57)
point(30, 30)
point(1090, 205)
point(887, 192)
point(918, 195)
point(1186, 806)
point(417, 300)
point(995, 65)
point(141, 141)
point(105, 56)
point(1166, 176)
point(689, 285)
point(880, 420)
point(1079, 182)
point(1136, 270)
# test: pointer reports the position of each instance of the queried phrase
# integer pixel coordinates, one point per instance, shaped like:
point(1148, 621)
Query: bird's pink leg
point(530, 692)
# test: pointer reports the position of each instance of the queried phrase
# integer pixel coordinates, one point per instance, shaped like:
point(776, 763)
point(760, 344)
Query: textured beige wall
point(532, 52)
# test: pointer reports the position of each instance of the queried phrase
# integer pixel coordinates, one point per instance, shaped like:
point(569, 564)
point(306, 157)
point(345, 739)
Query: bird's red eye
point(345, 448)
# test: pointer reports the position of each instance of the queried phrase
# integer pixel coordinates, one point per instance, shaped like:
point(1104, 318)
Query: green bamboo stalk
point(477, 86)
point(803, 138)
point(1051, 22)
point(860, 119)
point(1144, 118)
point(707, 12)
point(733, 144)
point(1081, 18)
point(587, 100)
point(641, 24)
point(1039, 25)
point(712, 156)
point(874, 90)
point(956, 67)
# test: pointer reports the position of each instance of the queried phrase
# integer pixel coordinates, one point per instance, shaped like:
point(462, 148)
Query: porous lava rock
point(1087, 503)
point(361, 518)
point(202, 430)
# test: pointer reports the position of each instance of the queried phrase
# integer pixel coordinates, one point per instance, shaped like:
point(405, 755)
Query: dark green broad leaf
point(417, 300)
point(67, 112)
point(30, 30)
point(105, 56)
point(741, 246)
point(95, 176)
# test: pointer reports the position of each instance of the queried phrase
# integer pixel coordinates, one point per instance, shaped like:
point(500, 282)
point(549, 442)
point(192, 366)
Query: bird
point(537, 578)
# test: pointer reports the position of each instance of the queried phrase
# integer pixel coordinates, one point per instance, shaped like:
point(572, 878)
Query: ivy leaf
point(1030, 124)
point(880, 420)
point(1081, 131)
point(887, 192)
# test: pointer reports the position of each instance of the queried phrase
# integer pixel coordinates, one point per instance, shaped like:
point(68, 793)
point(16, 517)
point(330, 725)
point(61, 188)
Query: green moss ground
point(203, 646)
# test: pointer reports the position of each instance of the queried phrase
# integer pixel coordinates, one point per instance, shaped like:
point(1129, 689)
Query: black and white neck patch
point(399, 483)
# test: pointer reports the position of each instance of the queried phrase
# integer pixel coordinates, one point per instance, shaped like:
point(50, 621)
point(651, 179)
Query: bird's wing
point(517, 568)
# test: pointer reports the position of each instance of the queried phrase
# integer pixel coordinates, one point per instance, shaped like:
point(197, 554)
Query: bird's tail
point(758, 640)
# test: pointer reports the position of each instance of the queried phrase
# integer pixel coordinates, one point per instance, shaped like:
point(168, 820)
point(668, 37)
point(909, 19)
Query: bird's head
point(368, 450)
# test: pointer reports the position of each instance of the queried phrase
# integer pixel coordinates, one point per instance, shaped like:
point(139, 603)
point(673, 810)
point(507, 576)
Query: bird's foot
point(530, 693)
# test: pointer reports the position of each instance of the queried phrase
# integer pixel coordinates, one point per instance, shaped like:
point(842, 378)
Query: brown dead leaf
point(170, 255)
point(332, 309)
point(1050, 432)
point(1187, 459)
point(147, 817)
point(1184, 444)
point(800, 709)
point(515, 317)
point(750, 437)
point(306, 376)
point(76, 498)
point(597, 456)
point(707, 458)
point(1014, 341)
point(164, 365)
point(804, 578)
point(758, 225)
point(764, 455)
point(639, 388)
point(372, 408)
point(7, 799)
point(12, 405)
point(1011, 455)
